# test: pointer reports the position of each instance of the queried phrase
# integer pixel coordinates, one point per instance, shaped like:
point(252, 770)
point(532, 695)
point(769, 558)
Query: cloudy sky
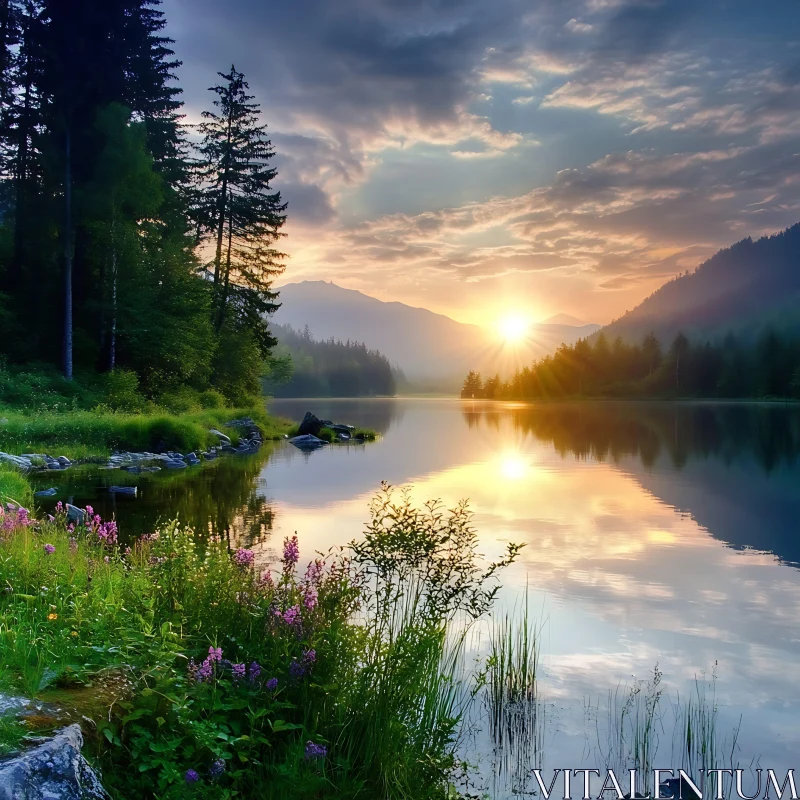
point(540, 156)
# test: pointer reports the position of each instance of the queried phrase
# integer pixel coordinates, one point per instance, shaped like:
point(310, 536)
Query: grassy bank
point(79, 434)
point(206, 675)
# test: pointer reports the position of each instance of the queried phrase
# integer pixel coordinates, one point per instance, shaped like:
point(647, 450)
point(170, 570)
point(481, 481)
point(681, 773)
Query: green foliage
point(730, 369)
point(341, 683)
point(326, 368)
point(13, 486)
point(82, 433)
point(122, 391)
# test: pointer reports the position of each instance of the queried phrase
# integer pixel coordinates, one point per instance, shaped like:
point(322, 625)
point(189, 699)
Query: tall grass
point(512, 699)
point(14, 487)
point(83, 433)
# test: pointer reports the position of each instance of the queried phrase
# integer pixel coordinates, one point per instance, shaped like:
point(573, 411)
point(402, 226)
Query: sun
point(513, 327)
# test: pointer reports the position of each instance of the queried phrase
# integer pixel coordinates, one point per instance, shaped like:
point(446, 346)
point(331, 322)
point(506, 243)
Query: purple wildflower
point(49, 549)
point(238, 670)
point(215, 654)
point(315, 751)
point(310, 657)
point(255, 671)
point(191, 776)
point(310, 599)
point(217, 768)
point(51, 518)
point(291, 552)
point(296, 669)
point(59, 507)
point(206, 671)
point(89, 511)
point(244, 558)
point(292, 615)
point(271, 685)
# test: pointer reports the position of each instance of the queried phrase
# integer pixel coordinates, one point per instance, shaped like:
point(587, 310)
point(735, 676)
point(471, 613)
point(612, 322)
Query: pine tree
point(238, 211)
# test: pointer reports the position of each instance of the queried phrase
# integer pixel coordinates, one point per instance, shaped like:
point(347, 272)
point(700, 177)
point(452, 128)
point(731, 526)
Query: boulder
point(53, 769)
point(175, 463)
point(51, 492)
point(75, 514)
point(310, 426)
point(222, 437)
point(18, 461)
point(64, 461)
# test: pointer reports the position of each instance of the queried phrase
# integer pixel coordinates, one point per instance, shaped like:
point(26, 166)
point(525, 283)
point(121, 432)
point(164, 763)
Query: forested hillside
point(305, 367)
point(743, 289)
point(122, 247)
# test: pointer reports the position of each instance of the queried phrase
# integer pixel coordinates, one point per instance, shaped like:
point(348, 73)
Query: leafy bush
point(211, 398)
point(122, 391)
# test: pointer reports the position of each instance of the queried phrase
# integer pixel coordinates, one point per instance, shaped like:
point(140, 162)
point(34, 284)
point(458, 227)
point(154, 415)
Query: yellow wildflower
point(52, 616)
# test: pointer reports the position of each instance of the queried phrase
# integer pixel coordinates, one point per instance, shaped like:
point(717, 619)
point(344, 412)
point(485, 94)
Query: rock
point(175, 463)
point(209, 456)
point(51, 492)
point(221, 435)
point(127, 490)
point(75, 514)
point(307, 442)
point(151, 469)
point(18, 461)
point(226, 448)
point(310, 426)
point(133, 470)
point(343, 437)
point(55, 770)
point(64, 461)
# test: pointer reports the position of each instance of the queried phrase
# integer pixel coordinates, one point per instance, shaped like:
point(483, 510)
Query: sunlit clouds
point(575, 154)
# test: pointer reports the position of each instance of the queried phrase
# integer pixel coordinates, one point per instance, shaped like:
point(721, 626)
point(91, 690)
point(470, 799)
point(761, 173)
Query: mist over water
point(655, 534)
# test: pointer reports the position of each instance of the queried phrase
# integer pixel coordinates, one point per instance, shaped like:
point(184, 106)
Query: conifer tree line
point(732, 368)
point(128, 240)
point(302, 366)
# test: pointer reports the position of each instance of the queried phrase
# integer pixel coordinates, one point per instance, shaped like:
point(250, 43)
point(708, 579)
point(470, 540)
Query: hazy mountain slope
point(424, 345)
point(742, 288)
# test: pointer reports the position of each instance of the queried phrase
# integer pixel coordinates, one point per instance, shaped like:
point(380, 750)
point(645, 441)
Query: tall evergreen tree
point(238, 213)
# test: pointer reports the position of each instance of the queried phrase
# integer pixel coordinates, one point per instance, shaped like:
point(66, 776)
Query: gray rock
point(55, 770)
point(221, 435)
point(307, 442)
point(21, 462)
point(75, 514)
point(175, 463)
point(127, 490)
point(310, 426)
point(51, 492)
point(64, 461)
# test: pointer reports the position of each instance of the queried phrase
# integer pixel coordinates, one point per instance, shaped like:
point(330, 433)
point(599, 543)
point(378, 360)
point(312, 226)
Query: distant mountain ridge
point(742, 289)
point(429, 348)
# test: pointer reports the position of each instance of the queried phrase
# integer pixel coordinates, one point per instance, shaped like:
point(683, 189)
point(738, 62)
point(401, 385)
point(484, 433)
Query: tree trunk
point(224, 299)
point(67, 365)
point(112, 351)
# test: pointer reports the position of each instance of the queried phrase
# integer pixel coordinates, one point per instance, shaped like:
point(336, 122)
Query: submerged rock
point(51, 492)
point(175, 463)
point(131, 491)
point(54, 769)
point(307, 442)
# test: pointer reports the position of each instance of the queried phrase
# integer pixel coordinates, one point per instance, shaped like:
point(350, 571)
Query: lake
point(655, 534)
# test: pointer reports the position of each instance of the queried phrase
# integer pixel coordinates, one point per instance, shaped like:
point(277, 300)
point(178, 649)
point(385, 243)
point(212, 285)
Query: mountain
point(564, 319)
point(742, 289)
point(432, 350)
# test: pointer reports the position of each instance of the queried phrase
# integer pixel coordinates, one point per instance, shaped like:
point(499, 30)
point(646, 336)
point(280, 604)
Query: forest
point(131, 243)
point(733, 368)
point(302, 366)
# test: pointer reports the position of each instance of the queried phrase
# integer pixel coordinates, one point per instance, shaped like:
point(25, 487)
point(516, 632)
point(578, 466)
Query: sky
point(488, 157)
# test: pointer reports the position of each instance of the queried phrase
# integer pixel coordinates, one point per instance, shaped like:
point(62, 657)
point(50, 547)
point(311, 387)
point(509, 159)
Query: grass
point(79, 434)
point(365, 700)
point(14, 487)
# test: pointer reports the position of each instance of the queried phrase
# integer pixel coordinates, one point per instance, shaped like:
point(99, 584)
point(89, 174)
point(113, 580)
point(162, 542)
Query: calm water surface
point(655, 534)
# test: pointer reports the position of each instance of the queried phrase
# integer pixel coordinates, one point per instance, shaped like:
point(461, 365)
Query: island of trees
point(732, 368)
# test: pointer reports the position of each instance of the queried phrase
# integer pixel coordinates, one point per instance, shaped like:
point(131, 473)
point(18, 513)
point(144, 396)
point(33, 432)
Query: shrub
point(211, 398)
point(122, 391)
